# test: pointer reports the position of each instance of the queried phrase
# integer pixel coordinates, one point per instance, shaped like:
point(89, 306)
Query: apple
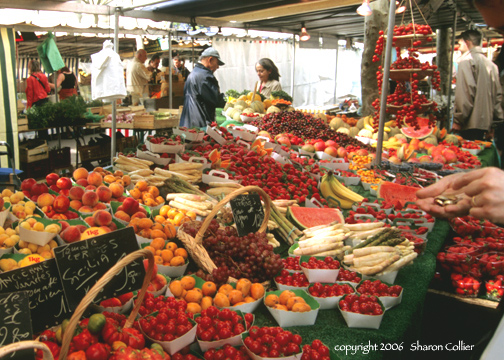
point(38, 189)
point(64, 183)
point(27, 184)
point(52, 178)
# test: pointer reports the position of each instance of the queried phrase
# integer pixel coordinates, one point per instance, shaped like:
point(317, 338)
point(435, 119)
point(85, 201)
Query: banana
point(343, 191)
point(366, 121)
point(386, 128)
point(371, 121)
point(330, 196)
point(368, 127)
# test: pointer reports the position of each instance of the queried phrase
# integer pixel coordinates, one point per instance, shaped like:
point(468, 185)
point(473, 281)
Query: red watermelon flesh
point(424, 131)
point(304, 217)
point(397, 194)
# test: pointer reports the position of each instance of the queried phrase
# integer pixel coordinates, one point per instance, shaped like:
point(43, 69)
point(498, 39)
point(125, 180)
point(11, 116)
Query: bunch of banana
point(332, 190)
point(369, 122)
point(391, 143)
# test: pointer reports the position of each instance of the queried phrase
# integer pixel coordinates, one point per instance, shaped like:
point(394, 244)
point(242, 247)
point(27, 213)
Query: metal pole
point(170, 76)
point(448, 106)
point(385, 83)
point(336, 70)
point(114, 103)
point(293, 64)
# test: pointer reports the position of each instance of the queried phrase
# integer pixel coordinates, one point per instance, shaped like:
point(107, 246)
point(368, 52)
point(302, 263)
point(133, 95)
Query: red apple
point(319, 146)
point(331, 143)
point(52, 178)
point(342, 152)
point(54, 188)
point(38, 189)
point(27, 184)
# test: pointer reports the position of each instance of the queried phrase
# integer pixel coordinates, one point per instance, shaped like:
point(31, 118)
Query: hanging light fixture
point(304, 34)
point(400, 9)
point(364, 9)
point(145, 41)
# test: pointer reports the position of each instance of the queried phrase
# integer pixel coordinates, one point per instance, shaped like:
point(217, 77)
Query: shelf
point(473, 301)
point(405, 74)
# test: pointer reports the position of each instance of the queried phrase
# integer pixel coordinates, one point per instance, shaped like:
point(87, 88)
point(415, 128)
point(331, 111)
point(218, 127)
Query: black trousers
point(473, 134)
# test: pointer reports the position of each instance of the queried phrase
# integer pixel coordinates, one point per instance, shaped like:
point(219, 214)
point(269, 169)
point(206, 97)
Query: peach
point(331, 151)
point(112, 226)
point(117, 189)
point(100, 206)
point(81, 228)
point(106, 228)
point(61, 204)
point(424, 158)
point(131, 206)
point(90, 221)
point(63, 225)
point(121, 215)
point(86, 209)
point(90, 188)
point(95, 179)
point(45, 199)
point(76, 193)
point(82, 182)
point(102, 218)
point(139, 215)
point(80, 173)
point(71, 234)
point(104, 193)
point(439, 159)
point(90, 198)
point(64, 183)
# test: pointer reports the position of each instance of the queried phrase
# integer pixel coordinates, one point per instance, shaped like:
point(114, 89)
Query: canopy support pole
point(385, 82)
point(170, 59)
point(114, 102)
point(336, 72)
point(293, 64)
point(450, 76)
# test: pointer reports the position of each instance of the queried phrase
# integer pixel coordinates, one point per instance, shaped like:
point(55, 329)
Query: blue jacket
point(201, 97)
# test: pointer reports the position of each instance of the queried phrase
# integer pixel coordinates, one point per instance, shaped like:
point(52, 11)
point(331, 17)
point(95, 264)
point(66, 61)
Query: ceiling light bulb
point(146, 41)
point(400, 9)
point(364, 9)
point(304, 34)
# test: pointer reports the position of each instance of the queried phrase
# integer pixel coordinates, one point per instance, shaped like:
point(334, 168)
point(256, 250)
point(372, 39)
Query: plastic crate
point(59, 158)
point(127, 143)
point(37, 169)
point(93, 153)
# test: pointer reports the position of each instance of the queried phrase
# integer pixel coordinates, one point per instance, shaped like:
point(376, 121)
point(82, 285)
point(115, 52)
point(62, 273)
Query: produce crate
point(37, 169)
point(27, 155)
point(149, 122)
point(119, 125)
point(95, 110)
point(59, 158)
point(93, 153)
point(23, 124)
point(127, 143)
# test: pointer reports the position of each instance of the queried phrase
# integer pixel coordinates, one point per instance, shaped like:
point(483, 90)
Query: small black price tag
point(248, 213)
point(48, 305)
point(83, 263)
point(15, 323)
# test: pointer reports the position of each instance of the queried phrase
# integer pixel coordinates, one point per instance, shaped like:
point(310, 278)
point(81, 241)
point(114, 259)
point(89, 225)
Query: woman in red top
point(68, 82)
point(37, 86)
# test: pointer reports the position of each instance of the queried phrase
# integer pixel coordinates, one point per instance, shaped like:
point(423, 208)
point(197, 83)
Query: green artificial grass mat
point(401, 324)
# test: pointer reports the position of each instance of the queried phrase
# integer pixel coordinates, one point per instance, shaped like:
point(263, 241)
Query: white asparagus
point(126, 167)
point(220, 190)
point(185, 166)
point(317, 248)
point(375, 269)
point(284, 203)
point(400, 263)
point(191, 197)
point(318, 227)
point(178, 205)
point(137, 160)
point(163, 172)
point(324, 240)
point(155, 178)
point(361, 235)
point(224, 184)
point(348, 259)
point(364, 226)
point(201, 205)
point(141, 172)
point(190, 172)
point(322, 232)
point(327, 234)
point(371, 260)
point(332, 252)
point(373, 250)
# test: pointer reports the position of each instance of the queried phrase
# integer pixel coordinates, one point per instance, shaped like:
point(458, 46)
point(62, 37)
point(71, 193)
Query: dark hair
point(154, 58)
point(34, 66)
point(165, 62)
point(65, 69)
point(269, 65)
point(473, 36)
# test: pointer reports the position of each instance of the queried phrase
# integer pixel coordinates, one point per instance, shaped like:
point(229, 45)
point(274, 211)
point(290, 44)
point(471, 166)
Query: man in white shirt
point(137, 77)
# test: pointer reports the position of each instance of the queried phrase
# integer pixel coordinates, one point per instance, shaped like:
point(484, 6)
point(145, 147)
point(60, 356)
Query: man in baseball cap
point(201, 91)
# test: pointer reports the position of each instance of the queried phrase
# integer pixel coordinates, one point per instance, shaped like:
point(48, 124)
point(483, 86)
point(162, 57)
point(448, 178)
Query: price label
point(248, 213)
point(83, 263)
point(47, 302)
point(15, 323)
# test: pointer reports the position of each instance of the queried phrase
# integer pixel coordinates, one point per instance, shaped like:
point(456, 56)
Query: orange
point(170, 230)
point(221, 300)
point(225, 289)
point(271, 300)
point(153, 190)
point(156, 233)
point(209, 288)
point(164, 210)
point(193, 296)
point(181, 252)
point(194, 308)
point(171, 213)
point(142, 185)
point(158, 243)
point(257, 291)
point(176, 288)
point(151, 249)
point(188, 282)
point(135, 193)
point(159, 219)
point(177, 261)
point(167, 255)
point(171, 246)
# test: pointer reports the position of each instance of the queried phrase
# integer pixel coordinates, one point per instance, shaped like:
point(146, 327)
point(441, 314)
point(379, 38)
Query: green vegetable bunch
point(280, 94)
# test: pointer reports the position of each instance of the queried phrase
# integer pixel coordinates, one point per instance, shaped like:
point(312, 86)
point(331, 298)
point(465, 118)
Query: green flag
point(49, 55)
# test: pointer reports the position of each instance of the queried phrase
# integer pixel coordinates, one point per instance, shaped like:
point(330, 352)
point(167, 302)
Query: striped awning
point(22, 66)
point(8, 112)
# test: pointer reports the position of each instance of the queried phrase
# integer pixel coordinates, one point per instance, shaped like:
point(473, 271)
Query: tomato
point(98, 352)
point(96, 323)
point(79, 355)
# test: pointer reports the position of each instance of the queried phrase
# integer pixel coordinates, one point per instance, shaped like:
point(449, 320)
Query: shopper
point(153, 68)
point(37, 86)
point(179, 64)
point(68, 82)
point(138, 77)
point(268, 77)
point(478, 93)
point(201, 91)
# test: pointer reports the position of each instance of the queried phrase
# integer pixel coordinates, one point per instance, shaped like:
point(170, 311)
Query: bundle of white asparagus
point(324, 240)
point(155, 178)
point(189, 171)
point(222, 188)
point(130, 164)
point(198, 204)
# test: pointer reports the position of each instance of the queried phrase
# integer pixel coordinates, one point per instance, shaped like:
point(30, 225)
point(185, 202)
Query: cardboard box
point(40, 152)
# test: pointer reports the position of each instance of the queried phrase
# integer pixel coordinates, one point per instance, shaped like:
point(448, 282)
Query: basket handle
point(88, 299)
point(228, 198)
point(29, 344)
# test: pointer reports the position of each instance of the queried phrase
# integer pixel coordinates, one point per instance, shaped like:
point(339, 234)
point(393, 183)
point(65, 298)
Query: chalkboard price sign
point(15, 323)
point(83, 263)
point(42, 283)
point(248, 213)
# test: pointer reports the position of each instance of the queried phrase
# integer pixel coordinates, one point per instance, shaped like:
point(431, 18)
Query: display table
point(489, 157)
point(401, 324)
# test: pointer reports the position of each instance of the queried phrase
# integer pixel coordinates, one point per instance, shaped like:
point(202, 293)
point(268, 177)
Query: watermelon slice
point(304, 217)
point(424, 131)
point(397, 194)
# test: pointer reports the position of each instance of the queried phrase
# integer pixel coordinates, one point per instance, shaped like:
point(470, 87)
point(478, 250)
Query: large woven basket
point(194, 246)
point(23, 345)
point(109, 275)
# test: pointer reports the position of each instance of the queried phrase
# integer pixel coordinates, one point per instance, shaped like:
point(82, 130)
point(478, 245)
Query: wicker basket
point(109, 275)
point(406, 74)
point(194, 246)
point(23, 345)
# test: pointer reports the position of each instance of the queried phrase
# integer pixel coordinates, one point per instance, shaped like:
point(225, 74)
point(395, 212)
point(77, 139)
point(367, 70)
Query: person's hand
point(456, 127)
point(485, 188)
point(427, 195)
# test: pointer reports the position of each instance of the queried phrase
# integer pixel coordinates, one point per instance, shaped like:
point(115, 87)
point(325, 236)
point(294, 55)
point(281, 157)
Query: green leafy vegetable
point(233, 93)
point(280, 94)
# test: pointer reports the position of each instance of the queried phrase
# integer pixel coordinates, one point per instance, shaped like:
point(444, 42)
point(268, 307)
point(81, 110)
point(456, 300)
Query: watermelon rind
point(303, 217)
point(424, 131)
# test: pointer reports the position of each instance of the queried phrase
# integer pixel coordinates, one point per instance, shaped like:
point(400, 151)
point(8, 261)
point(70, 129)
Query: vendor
point(37, 86)
point(153, 68)
point(268, 77)
point(68, 83)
